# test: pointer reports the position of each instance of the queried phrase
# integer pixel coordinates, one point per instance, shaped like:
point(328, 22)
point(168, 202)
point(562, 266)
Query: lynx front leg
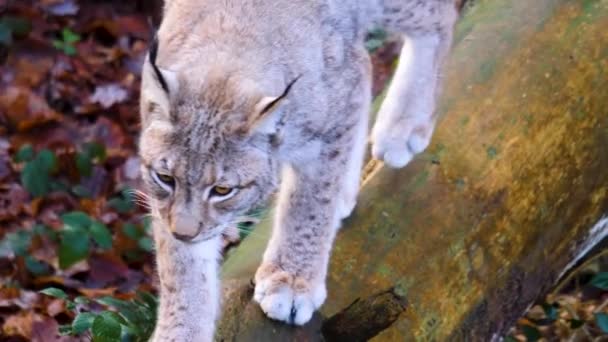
point(189, 293)
point(290, 283)
point(352, 176)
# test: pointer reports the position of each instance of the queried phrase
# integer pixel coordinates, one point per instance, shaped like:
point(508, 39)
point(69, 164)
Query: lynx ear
point(165, 78)
point(157, 86)
point(266, 114)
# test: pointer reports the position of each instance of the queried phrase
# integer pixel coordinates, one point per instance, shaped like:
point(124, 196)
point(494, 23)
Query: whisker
point(140, 198)
point(138, 193)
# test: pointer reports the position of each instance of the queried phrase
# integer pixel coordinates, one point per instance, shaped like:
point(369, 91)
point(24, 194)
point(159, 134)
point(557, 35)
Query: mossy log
point(506, 198)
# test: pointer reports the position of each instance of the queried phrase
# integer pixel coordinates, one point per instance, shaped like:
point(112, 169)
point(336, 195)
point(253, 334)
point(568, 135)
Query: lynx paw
point(287, 298)
point(397, 145)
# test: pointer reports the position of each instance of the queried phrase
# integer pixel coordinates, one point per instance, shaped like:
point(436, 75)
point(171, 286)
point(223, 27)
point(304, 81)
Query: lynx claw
point(286, 298)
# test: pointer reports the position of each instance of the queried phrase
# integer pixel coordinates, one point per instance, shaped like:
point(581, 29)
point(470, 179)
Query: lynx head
point(206, 148)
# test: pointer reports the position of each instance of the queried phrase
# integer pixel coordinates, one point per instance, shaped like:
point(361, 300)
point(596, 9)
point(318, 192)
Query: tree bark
point(506, 198)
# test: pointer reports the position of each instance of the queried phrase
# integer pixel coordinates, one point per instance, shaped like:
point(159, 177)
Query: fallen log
point(510, 193)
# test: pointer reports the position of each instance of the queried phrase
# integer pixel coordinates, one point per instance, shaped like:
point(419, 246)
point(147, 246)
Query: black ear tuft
point(159, 75)
point(281, 97)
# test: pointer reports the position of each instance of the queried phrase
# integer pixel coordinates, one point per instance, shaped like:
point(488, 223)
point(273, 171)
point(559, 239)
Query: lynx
point(241, 98)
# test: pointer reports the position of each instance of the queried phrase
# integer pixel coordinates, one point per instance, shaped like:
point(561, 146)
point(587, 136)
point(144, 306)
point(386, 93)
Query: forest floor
point(69, 221)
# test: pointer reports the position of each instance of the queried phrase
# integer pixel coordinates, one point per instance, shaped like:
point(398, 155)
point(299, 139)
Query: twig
point(575, 271)
point(365, 318)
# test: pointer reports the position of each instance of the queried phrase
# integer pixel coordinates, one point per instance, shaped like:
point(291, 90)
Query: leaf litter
point(69, 225)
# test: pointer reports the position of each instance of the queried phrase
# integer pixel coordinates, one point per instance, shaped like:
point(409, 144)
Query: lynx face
point(204, 163)
point(198, 193)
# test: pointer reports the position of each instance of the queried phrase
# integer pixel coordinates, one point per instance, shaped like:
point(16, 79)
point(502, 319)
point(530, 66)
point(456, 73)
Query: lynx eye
point(221, 190)
point(164, 180)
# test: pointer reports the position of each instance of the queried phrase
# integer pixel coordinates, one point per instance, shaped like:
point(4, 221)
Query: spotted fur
point(255, 94)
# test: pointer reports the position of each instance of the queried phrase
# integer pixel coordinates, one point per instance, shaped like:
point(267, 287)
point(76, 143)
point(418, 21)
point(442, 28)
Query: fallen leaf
point(23, 299)
point(46, 329)
point(24, 109)
point(12, 199)
point(55, 307)
point(5, 168)
point(93, 293)
point(131, 168)
point(62, 8)
point(19, 324)
point(111, 135)
point(106, 269)
point(108, 95)
point(31, 71)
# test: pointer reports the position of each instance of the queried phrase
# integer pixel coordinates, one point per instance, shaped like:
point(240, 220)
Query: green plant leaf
point(601, 319)
point(375, 39)
point(84, 164)
point(54, 292)
point(132, 231)
point(18, 243)
point(128, 310)
point(81, 191)
point(6, 36)
point(19, 26)
point(600, 280)
point(47, 160)
point(10, 26)
point(83, 322)
point(373, 44)
point(146, 243)
point(69, 50)
point(378, 33)
point(70, 306)
point(81, 300)
point(25, 153)
point(65, 330)
point(58, 185)
point(532, 334)
point(101, 235)
point(40, 229)
point(36, 267)
point(74, 246)
point(58, 44)
point(95, 151)
point(76, 219)
point(148, 299)
point(106, 327)
point(35, 181)
point(35, 176)
point(120, 204)
point(66, 44)
point(111, 301)
point(69, 36)
point(550, 311)
point(147, 222)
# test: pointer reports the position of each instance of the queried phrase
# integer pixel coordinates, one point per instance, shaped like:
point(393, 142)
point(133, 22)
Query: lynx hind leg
point(405, 121)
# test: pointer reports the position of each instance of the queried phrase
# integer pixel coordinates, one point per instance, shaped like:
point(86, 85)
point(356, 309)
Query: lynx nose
point(185, 227)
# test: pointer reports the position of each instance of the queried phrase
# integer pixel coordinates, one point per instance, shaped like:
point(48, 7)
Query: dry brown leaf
point(24, 109)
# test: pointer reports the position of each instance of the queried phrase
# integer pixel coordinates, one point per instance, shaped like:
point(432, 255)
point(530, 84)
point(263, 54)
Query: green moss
point(486, 71)
point(385, 270)
point(492, 152)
